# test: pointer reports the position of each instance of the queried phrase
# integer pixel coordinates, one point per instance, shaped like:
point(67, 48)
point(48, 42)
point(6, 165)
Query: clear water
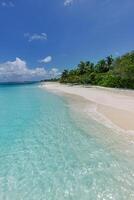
point(46, 155)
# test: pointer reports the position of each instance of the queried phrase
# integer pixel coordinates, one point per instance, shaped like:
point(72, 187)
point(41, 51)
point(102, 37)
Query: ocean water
point(47, 153)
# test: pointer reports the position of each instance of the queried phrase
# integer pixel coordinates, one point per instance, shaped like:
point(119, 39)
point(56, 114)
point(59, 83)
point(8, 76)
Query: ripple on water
point(46, 155)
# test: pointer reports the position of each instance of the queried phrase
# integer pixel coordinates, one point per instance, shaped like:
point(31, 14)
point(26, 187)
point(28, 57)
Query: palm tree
point(85, 67)
point(101, 66)
point(65, 74)
point(109, 61)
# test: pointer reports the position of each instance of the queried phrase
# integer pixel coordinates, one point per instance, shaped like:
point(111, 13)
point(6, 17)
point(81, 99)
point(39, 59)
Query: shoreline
point(113, 108)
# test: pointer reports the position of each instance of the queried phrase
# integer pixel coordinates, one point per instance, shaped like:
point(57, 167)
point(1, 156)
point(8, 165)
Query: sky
point(40, 38)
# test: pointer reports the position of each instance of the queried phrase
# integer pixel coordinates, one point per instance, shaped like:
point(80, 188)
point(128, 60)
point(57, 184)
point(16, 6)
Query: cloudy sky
point(39, 38)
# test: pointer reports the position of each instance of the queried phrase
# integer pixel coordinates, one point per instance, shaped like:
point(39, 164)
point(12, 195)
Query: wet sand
point(113, 107)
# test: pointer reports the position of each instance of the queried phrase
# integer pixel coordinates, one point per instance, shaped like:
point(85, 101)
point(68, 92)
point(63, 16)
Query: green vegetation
point(51, 80)
point(108, 72)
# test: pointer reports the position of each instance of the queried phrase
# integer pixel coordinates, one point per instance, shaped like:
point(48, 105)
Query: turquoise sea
point(49, 153)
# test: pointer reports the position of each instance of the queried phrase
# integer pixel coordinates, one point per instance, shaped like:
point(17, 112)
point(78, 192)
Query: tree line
point(109, 72)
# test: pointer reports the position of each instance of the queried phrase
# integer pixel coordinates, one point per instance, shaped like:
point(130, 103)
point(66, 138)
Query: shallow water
point(46, 153)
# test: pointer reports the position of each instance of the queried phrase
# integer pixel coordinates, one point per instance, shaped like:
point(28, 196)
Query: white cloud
point(19, 71)
point(35, 36)
point(54, 72)
point(7, 4)
point(46, 60)
point(68, 2)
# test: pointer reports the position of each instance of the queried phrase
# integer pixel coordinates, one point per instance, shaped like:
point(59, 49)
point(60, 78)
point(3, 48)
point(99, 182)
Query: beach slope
point(114, 106)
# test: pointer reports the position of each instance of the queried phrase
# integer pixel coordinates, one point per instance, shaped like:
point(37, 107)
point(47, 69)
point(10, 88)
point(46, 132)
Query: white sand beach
point(114, 107)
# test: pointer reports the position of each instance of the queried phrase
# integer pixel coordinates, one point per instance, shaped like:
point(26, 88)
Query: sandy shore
point(113, 107)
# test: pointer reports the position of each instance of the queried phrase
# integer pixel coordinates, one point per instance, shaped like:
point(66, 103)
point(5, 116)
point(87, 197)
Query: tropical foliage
point(108, 72)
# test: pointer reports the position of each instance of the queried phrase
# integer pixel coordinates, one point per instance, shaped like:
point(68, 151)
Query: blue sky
point(56, 34)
